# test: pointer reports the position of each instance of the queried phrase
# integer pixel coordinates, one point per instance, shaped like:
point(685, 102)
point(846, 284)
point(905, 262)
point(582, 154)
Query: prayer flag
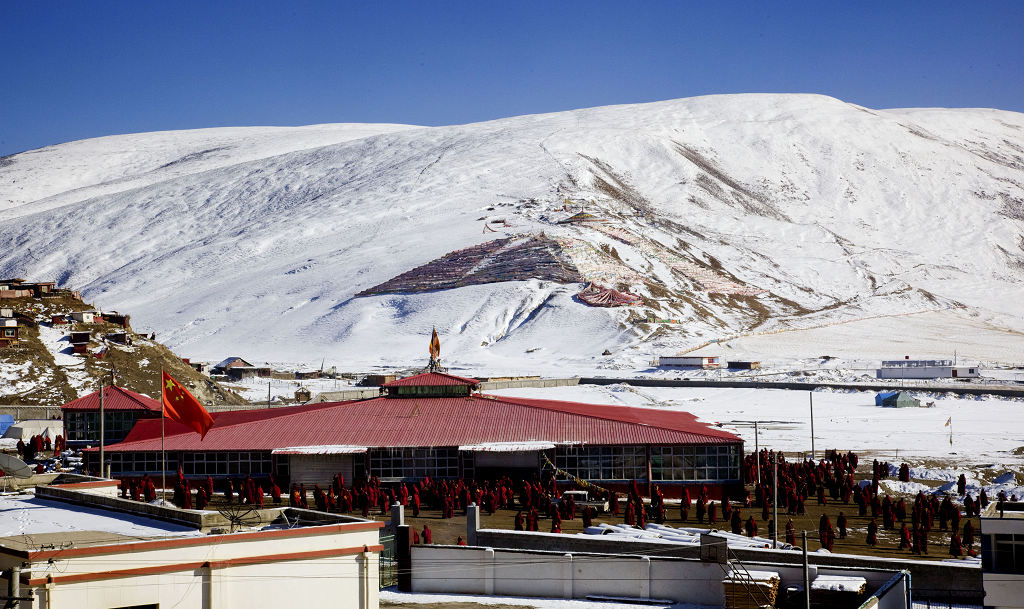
point(435, 345)
point(181, 406)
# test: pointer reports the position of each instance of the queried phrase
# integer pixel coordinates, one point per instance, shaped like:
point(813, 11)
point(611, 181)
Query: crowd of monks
point(36, 448)
point(38, 445)
point(799, 483)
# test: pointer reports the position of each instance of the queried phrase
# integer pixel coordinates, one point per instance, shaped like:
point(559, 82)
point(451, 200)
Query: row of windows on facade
point(668, 463)
point(85, 426)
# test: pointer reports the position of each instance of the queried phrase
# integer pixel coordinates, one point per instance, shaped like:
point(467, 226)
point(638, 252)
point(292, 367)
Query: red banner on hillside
point(183, 407)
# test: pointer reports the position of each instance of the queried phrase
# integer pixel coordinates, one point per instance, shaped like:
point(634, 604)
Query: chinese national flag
point(181, 406)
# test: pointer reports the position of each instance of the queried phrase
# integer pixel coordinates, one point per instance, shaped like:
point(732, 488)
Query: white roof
point(839, 583)
point(23, 430)
point(507, 447)
point(322, 449)
point(757, 576)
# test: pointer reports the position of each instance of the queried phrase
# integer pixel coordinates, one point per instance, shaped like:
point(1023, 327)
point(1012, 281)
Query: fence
point(388, 563)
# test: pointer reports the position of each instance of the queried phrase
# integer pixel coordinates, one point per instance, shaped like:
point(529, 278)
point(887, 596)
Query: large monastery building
point(439, 425)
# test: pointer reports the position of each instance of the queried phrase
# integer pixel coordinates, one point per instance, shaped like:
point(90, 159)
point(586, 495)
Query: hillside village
point(55, 348)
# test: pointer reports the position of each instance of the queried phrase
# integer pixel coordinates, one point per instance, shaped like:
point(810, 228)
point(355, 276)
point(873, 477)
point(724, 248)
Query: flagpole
point(163, 454)
point(102, 430)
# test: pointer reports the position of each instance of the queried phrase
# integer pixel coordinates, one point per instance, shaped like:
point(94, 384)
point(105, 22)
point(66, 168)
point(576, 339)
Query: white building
point(273, 567)
point(85, 317)
point(924, 369)
point(690, 361)
point(1002, 554)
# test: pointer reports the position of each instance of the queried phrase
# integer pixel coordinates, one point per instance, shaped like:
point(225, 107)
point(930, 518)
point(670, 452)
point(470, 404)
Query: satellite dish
point(14, 466)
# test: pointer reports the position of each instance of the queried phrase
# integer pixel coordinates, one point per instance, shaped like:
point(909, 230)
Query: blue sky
point(73, 70)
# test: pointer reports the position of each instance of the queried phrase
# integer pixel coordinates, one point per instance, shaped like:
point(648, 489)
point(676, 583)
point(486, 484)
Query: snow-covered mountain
point(730, 215)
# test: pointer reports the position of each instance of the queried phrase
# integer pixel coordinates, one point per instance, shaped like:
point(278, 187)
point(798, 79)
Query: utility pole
point(102, 426)
point(807, 576)
point(811, 396)
point(268, 394)
point(757, 455)
point(775, 500)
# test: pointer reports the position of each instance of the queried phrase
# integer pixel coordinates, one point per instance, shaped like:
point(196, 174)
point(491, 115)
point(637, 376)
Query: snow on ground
point(254, 389)
point(13, 378)
point(57, 343)
point(393, 596)
point(27, 515)
point(931, 335)
point(986, 431)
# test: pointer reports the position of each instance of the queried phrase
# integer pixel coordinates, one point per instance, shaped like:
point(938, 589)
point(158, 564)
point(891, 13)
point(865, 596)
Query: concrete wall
point(1003, 590)
point(508, 572)
point(26, 412)
point(931, 579)
point(192, 518)
point(515, 384)
point(489, 571)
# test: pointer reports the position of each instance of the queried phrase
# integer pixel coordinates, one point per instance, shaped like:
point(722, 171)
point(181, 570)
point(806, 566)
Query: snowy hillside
point(730, 215)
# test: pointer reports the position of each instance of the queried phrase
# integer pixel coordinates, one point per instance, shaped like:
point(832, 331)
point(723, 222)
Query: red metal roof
point(114, 398)
point(432, 379)
point(431, 421)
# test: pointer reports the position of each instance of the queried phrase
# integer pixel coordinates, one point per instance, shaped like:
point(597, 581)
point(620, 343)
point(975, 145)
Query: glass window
point(413, 463)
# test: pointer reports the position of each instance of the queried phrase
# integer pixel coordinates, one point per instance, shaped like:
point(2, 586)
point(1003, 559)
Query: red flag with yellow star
point(181, 406)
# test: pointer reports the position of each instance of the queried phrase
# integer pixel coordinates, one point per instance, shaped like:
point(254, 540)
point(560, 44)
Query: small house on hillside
point(79, 340)
point(14, 288)
point(116, 318)
point(376, 380)
point(237, 373)
point(44, 288)
point(896, 399)
point(119, 337)
point(85, 317)
point(690, 361)
point(8, 331)
point(231, 362)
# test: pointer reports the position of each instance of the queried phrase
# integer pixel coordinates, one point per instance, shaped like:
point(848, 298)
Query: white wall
point(485, 571)
point(262, 571)
point(1004, 590)
point(473, 570)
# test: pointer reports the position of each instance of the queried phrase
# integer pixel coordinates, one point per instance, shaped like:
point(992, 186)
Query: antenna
point(14, 466)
